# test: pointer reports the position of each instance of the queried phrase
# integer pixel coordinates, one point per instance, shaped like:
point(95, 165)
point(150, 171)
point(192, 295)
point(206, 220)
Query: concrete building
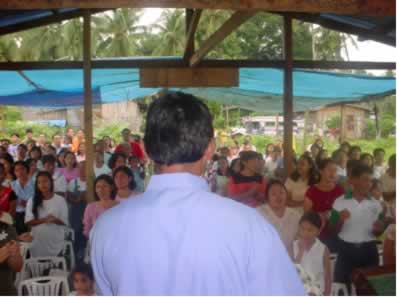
point(110, 113)
point(353, 119)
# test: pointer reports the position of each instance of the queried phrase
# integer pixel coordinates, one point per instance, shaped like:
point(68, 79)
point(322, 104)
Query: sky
point(365, 51)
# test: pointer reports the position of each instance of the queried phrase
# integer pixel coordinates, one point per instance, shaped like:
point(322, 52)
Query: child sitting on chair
point(83, 281)
point(311, 253)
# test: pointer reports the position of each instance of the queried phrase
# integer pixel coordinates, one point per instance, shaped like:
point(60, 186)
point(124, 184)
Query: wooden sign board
point(188, 77)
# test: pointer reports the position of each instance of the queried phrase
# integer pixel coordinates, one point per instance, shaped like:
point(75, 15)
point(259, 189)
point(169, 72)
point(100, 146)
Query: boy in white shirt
point(379, 166)
point(358, 219)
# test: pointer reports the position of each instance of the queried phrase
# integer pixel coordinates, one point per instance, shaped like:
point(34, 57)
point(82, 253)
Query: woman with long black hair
point(125, 183)
point(47, 214)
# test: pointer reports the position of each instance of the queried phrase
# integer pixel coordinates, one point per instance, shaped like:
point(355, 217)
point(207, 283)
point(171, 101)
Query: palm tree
point(8, 48)
point(171, 29)
point(117, 33)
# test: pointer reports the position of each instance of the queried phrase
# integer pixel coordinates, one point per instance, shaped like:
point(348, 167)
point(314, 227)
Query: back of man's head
point(178, 129)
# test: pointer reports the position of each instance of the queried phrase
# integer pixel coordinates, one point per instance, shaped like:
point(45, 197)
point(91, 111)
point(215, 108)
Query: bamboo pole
point(288, 95)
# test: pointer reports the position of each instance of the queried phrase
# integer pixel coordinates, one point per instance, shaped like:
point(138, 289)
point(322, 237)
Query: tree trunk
point(376, 111)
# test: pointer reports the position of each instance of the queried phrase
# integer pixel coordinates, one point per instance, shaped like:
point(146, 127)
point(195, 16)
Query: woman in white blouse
point(275, 210)
point(47, 214)
point(300, 180)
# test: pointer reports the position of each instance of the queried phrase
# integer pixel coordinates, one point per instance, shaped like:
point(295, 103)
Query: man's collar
point(181, 181)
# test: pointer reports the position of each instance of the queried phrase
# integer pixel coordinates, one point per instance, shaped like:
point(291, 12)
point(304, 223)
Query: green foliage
point(112, 130)
point(371, 129)
point(333, 122)
point(387, 124)
point(12, 114)
point(20, 127)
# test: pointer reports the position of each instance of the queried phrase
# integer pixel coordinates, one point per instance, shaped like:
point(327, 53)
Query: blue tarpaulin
point(259, 90)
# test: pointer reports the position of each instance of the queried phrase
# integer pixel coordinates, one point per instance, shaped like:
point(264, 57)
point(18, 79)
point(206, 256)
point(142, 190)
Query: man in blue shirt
point(178, 238)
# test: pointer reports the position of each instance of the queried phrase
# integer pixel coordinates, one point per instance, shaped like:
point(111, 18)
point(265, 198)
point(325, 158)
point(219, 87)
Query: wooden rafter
point(218, 36)
point(348, 7)
point(175, 63)
point(55, 18)
point(189, 49)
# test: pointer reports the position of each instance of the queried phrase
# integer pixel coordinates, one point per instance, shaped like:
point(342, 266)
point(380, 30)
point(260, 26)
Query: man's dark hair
point(48, 159)
point(178, 129)
point(360, 169)
point(312, 218)
point(29, 130)
point(23, 164)
point(378, 150)
point(23, 146)
point(114, 157)
point(84, 269)
point(354, 148)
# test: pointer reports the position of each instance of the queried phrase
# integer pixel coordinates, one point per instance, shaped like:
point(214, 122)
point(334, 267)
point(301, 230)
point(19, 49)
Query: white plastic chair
point(68, 253)
point(44, 286)
point(40, 266)
point(339, 289)
point(69, 234)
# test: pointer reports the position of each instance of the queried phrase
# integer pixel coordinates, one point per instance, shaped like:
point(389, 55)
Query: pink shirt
point(91, 213)
point(69, 174)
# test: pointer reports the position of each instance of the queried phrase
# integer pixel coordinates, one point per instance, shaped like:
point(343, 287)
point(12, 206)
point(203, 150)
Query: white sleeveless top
point(313, 261)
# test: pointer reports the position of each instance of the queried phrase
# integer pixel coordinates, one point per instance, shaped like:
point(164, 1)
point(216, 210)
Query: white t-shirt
point(358, 227)
point(341, 172)
point(270, 166)
point(379, 171)
point(48, 239)
point(313, 261)
point(298, 190)
point(59, 182)
point(101, 170)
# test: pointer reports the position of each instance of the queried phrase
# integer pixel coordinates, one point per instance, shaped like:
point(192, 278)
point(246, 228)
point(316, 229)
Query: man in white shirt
point(178, 238)
point(49, 162)
point(358, 218)
point(379, 166)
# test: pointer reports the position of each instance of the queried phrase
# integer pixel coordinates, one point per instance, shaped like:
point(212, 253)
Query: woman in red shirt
point(8, 198)
point(248, 186)
point(321, 196)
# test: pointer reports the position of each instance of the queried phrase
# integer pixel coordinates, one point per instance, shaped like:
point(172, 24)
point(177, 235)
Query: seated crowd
point(343, 204)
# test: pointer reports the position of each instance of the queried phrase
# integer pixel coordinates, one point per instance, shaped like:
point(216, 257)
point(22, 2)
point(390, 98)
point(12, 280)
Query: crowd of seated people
point(343, 204)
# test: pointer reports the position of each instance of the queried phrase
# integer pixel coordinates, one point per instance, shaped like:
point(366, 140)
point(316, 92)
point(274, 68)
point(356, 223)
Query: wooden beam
point(191, 31)
point(188, 77)
point(288, 96)
point(55, 18)
point(348, 7)
point(179, 63)
point(88, 130)
point(337, 26)
point(228, 27)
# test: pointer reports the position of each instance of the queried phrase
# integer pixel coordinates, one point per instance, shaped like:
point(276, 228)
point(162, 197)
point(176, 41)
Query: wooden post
point(376, 111)
point(288, 95)
point(88, 106)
